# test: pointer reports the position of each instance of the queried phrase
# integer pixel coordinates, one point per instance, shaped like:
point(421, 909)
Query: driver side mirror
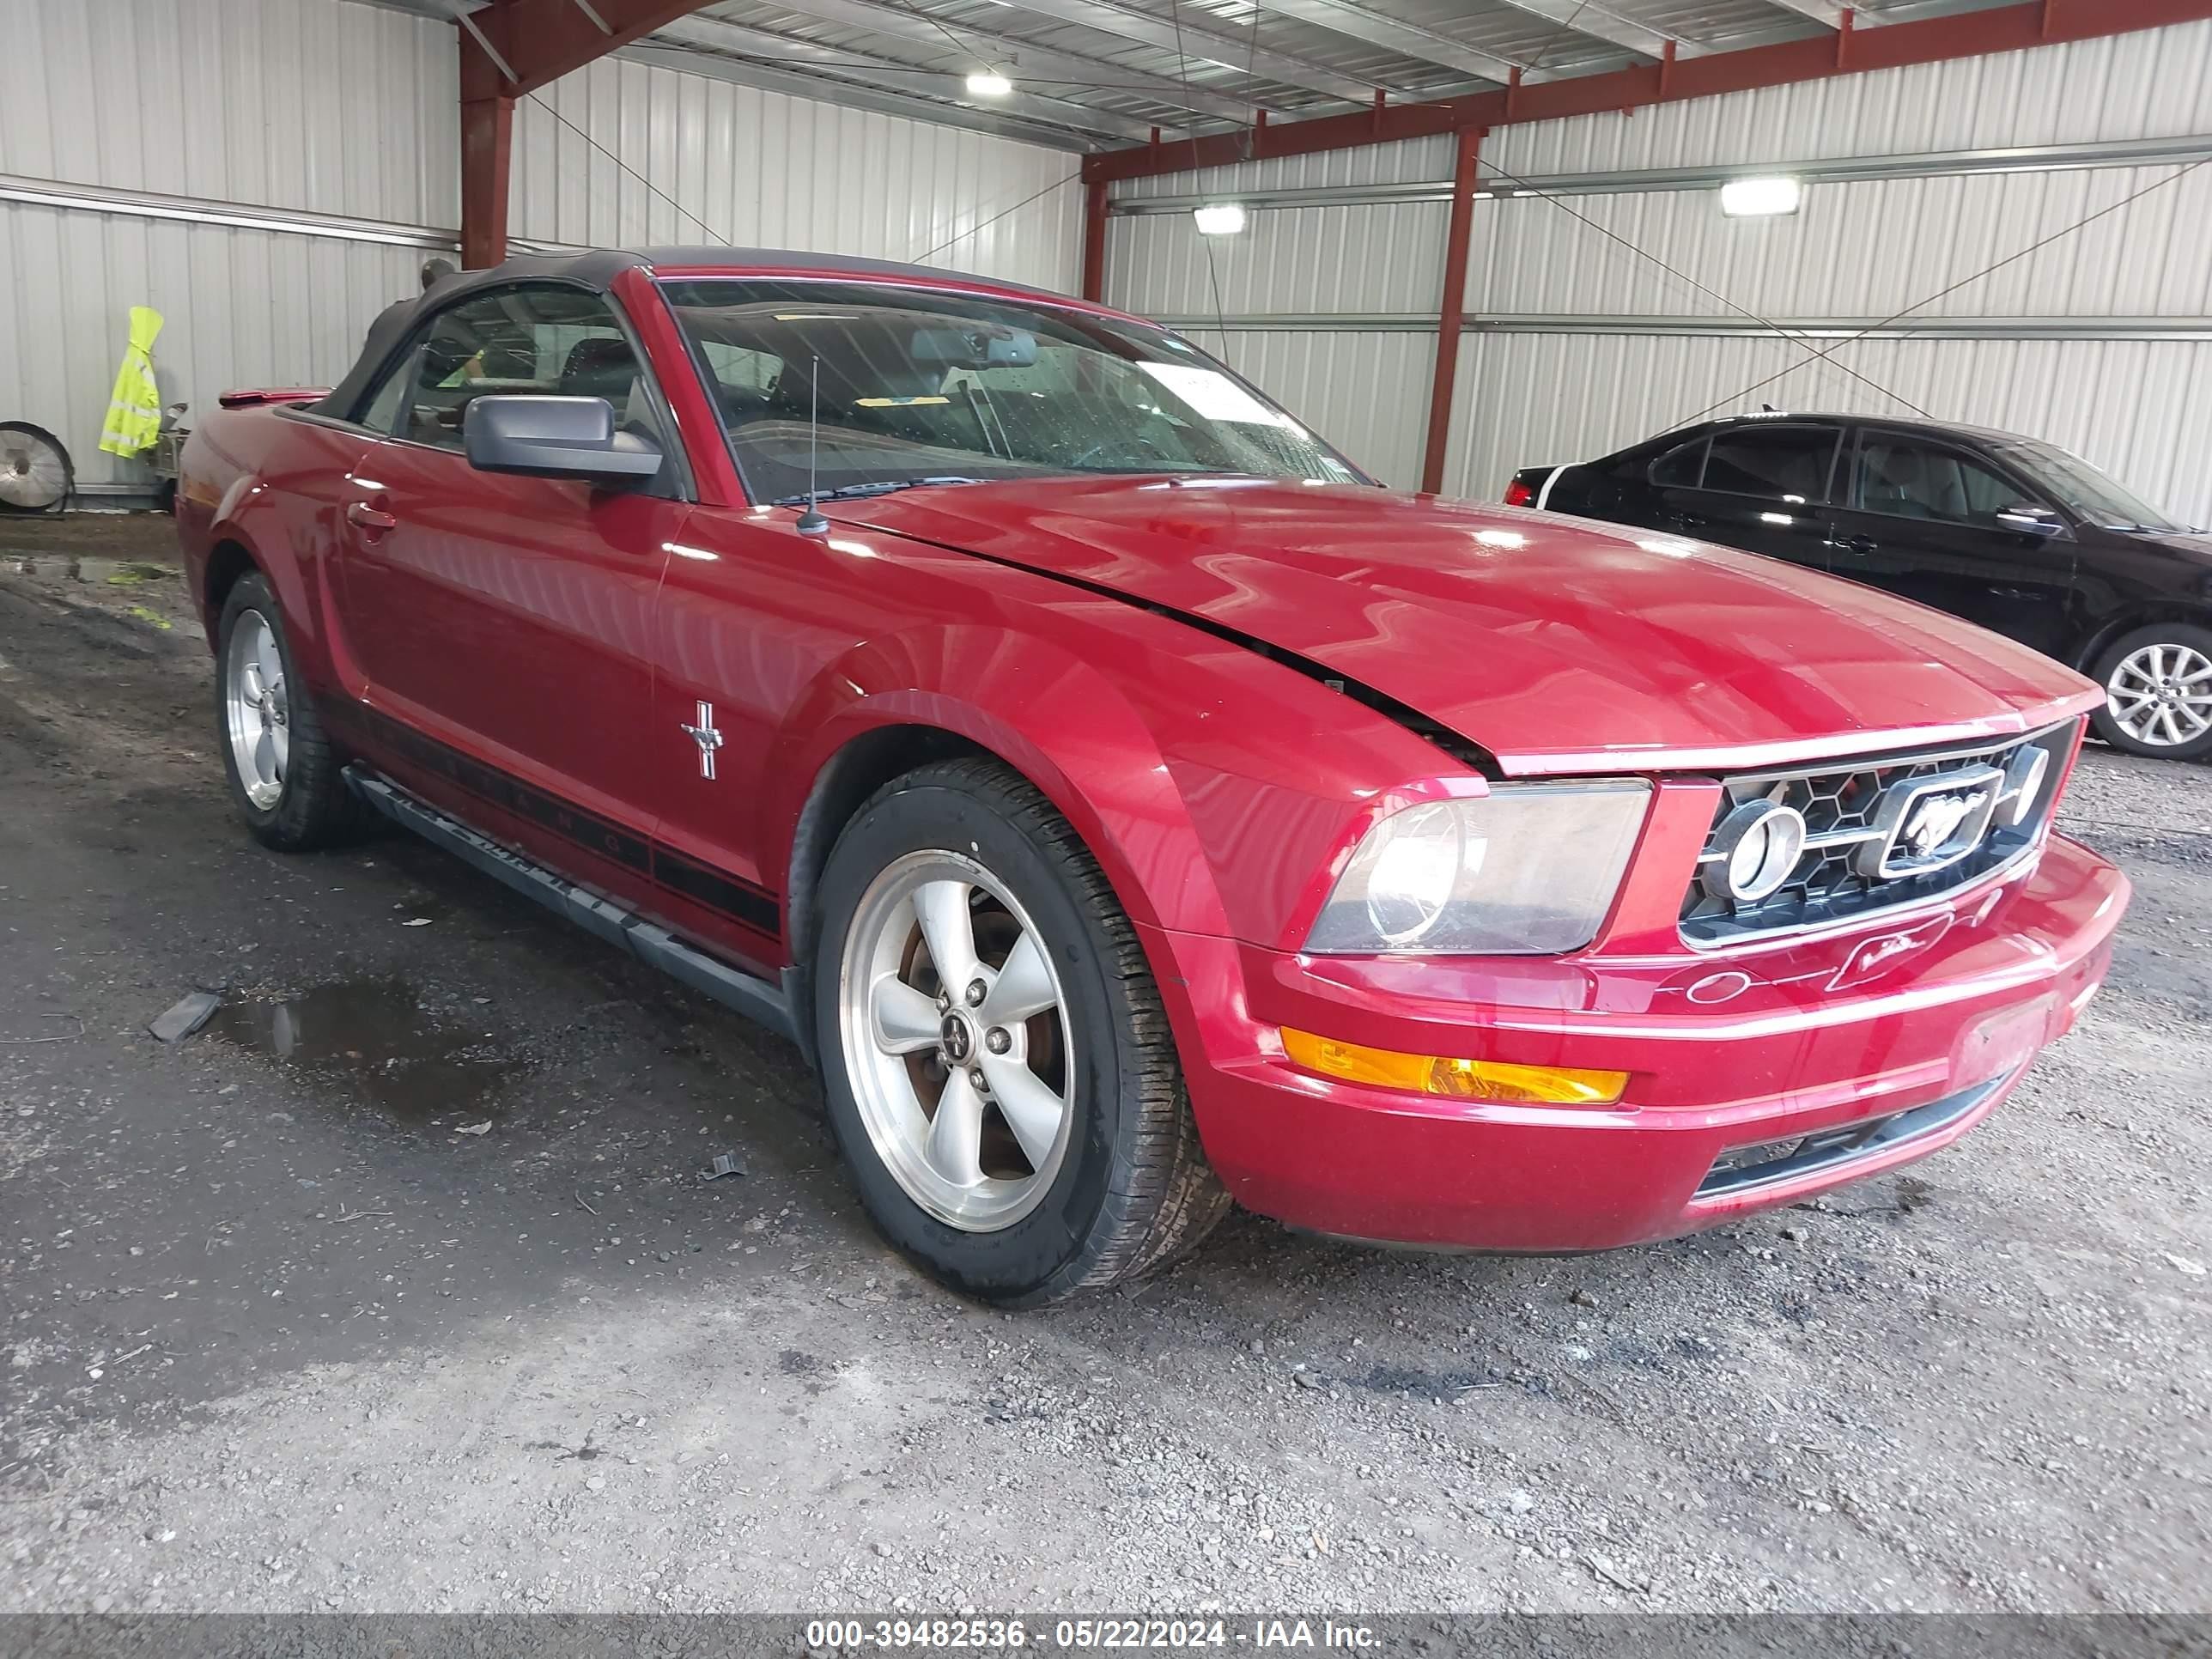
point(555, 438)
point(2029, 520)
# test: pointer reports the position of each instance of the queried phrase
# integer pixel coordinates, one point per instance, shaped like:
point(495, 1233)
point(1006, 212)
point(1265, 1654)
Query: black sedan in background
point(2011, 533)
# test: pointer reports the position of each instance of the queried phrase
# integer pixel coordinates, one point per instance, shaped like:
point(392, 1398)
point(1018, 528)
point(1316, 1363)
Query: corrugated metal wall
point(2150, 84)
point(307, 105)
point(1351, 388)
point(331, 107)
point(734, 164)
point(1858, 250)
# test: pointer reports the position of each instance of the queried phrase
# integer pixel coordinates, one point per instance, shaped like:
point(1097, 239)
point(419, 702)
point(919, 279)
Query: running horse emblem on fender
point(707, 737)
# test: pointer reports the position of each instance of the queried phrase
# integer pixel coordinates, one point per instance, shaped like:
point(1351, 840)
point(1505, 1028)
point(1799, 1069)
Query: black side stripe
point(703, 885)
point(719, 891)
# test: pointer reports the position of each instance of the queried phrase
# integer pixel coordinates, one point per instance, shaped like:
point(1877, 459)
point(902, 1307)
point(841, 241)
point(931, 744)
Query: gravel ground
point(437, 1313)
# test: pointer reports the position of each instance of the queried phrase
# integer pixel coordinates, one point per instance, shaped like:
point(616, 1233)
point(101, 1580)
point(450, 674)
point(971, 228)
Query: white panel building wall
point(1858, 252)
point(307, 106)
point(702, 159)
point(333, 107)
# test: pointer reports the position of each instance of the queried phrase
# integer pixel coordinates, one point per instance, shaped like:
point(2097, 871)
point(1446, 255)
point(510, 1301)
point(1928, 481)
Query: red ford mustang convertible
point(1127, 807)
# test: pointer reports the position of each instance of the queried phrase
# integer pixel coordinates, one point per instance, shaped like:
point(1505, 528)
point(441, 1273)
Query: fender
point(1051, 716)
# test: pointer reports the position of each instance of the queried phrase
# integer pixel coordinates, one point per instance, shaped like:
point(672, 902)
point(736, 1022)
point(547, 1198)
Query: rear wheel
point(1000, 1073)
point(284, 773)
point(2158, 691)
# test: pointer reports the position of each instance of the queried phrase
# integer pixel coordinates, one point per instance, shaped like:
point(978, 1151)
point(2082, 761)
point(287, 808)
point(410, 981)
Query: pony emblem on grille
point(1925, 825)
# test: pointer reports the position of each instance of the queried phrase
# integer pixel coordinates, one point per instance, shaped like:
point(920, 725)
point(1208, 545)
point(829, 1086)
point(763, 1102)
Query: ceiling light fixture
point(1747, 198)
point(988, 83)
point(1218, 218)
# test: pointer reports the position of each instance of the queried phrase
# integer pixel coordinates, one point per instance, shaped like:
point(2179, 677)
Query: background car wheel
point(2158, 691)
point(1000, 1073)
point(284, 773)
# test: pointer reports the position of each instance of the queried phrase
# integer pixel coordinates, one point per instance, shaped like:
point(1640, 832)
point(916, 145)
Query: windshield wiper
point(878, 487)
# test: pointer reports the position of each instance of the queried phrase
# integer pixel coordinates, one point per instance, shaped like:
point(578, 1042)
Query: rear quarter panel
point(270, 482)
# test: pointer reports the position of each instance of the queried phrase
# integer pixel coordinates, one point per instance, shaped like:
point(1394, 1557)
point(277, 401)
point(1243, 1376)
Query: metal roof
point(1102, 74)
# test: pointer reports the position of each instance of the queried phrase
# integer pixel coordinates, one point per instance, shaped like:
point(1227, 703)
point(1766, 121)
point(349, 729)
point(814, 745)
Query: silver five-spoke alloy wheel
point(257, 710)
point(2161, 695)
point(956, 1034)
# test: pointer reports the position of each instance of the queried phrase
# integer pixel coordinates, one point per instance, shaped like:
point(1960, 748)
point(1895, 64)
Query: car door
point(1918, 516)
point(504, 623)
point(1758, 486)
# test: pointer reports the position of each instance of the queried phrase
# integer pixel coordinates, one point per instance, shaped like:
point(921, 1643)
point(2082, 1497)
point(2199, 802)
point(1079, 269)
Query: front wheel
point(1000, 1073)
point(2158, 692)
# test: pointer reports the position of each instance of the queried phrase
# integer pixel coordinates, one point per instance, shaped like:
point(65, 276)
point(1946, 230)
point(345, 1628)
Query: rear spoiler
point(255, 397)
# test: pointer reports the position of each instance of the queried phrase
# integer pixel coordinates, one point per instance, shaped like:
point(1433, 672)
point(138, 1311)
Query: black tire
point(2107, 725)
point(1133, 1191)
point(314, 808)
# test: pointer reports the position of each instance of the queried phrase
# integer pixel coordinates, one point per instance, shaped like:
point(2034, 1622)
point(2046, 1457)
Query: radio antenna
point(811, 522)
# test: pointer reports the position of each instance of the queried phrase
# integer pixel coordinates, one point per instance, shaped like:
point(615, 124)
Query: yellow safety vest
point(134, 411)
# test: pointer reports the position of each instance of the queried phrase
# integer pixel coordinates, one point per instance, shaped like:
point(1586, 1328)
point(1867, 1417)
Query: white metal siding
point(308, 103)
point(1367, 394)
point(2153, 83)
point(1349, 258)
point(1867, 249)
point(2140, 408)
point(242, 308)
point(735, 165)
point(327, 106)
point(311, 105)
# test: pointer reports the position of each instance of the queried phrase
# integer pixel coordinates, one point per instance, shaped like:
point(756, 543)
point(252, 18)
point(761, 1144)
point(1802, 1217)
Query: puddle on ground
point(374, 1036)
point(113, 573)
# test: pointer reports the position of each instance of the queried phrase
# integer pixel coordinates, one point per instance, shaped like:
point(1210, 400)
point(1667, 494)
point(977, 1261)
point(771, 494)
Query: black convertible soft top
point(597, 269)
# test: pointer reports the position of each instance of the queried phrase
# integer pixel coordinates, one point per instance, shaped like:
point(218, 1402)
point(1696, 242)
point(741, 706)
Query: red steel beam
point(1452, 311)
point(487, 148)
point(1094, 241)
point(1934, 39)
point(538, 41)
point(542, 40)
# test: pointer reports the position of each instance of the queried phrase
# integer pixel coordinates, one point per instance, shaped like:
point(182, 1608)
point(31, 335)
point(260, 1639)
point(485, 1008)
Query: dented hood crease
point(1556, 644)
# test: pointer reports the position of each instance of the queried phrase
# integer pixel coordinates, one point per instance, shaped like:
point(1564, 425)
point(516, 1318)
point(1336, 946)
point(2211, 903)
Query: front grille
point(1842, 808)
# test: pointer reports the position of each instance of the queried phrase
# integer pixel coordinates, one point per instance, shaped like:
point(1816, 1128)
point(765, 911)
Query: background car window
point(1908, 479)
point(1774, 463)
point(553, 341)
point(1682, 468)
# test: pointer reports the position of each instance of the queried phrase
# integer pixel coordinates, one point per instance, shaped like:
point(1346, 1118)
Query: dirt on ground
point(399, 1286)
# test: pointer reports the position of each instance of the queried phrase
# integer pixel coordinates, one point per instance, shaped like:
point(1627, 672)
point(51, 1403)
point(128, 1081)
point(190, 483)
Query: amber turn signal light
point(1457, 1079)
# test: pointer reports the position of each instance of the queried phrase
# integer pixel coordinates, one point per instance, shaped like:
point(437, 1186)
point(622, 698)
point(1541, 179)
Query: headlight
point(1527, 869)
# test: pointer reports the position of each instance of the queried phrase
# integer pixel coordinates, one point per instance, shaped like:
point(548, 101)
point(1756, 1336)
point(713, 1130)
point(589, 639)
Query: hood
point(1556, 644)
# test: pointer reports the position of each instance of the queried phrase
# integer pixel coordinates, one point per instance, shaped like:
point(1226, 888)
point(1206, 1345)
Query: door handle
point(1861, 545)
point(369, 518)
point(1691, 520)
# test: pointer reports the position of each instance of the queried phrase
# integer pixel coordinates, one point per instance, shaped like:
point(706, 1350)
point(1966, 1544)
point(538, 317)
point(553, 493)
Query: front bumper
point(1917, 1041)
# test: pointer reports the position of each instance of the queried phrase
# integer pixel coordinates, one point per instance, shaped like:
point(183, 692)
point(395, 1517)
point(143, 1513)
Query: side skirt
point(771, 1005)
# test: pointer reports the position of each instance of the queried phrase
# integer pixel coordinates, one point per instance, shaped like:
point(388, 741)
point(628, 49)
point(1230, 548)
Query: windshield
point(912, 386)
point(2079, 487)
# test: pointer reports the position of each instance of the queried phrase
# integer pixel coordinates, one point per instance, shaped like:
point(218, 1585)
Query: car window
point(384, 409)
point(1682, 468)
point(864, 386)
point(1773, 463)
point(550, 341)
point(1909, 478)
